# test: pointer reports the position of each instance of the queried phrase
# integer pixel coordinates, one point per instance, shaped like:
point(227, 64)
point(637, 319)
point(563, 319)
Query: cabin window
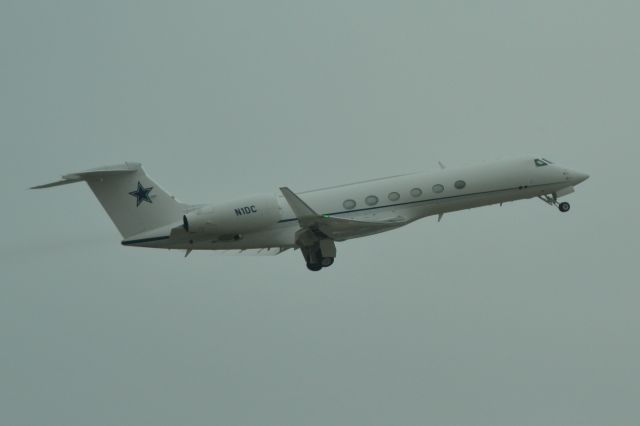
point(438, 188)
point(393, 196)
point(349, 204)
point(371, 200)
point(416, 192)
point(460, 184)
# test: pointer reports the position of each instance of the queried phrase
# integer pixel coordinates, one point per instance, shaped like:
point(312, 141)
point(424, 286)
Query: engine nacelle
point(234, 218)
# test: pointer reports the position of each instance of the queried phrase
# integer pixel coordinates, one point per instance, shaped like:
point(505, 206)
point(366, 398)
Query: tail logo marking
point(141, 194)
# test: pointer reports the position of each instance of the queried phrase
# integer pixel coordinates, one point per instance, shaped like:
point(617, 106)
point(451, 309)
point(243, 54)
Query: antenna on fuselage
point(441, 165)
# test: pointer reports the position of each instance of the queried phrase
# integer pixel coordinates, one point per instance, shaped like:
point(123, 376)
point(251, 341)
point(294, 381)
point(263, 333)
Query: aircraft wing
point(337, 229)
point(343, 229)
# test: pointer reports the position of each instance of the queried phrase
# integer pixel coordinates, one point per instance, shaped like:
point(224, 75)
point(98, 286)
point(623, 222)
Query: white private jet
point(313, 221)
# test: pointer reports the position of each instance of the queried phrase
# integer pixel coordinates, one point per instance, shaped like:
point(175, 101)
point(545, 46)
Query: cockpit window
point(542, 162)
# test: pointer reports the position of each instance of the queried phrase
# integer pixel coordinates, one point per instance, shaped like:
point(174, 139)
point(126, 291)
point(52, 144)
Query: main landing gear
point(320, 255)
point(552, 200)
point(325, 262)
point(317, 262)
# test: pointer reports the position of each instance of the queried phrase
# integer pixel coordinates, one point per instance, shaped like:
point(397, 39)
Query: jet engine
point(235, 217)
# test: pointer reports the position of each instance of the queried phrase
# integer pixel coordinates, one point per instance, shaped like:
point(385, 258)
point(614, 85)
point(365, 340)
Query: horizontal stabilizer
point(100, 171)
point(65, 181)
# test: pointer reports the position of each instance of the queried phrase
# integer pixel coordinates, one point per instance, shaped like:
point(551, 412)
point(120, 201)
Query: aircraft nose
point(578, 177)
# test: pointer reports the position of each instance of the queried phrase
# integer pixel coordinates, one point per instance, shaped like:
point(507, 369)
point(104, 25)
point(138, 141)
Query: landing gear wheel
point(327, 261)
point(564, 207)
point(315, 267)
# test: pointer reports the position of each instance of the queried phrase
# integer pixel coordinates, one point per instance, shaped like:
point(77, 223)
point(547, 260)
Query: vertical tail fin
point(133, 201)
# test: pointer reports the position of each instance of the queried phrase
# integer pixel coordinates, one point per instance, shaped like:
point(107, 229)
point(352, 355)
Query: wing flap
point(339, 229)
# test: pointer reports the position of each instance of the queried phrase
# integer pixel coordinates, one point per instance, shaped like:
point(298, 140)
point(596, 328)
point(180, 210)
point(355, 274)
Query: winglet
point(303, 212)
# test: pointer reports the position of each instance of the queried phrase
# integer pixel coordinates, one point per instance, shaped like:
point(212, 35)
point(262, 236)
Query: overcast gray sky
point(498, 316)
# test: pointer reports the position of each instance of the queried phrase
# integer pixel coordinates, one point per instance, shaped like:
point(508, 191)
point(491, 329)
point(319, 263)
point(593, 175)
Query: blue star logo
point(141, 194)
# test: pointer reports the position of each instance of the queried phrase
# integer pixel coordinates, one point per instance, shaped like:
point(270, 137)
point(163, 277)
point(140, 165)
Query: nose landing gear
point(552, 200)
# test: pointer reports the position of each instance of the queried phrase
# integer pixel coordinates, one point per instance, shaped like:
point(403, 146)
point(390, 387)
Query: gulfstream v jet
point(313, 221)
